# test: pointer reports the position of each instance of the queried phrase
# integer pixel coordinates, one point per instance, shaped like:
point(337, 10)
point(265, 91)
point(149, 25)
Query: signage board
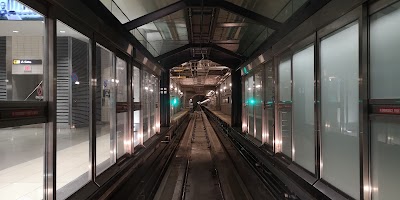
point(386, 110)
point(27, 62)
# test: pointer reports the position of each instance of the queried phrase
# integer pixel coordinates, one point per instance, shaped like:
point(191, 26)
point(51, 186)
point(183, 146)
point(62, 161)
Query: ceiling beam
point(198, 45)
point(233, 8)
point(230, 63)
point(160, 13)
point(228, 6)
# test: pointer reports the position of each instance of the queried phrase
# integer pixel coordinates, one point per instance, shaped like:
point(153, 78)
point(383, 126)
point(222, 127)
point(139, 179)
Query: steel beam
point(199, 45)
point(233, 8)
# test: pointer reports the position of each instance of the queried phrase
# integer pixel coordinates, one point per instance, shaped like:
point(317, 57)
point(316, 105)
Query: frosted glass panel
point(286, 130)
point(384, 53)
point(303, 108)
point(258, 106)
point(269, 98)
point(339, 110)
point(250, 106)
point(385, 160)
point(285, 81)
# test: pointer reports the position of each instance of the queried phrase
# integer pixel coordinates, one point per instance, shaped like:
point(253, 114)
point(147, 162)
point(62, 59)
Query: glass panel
point(303, 108)
point(384, 57)
point(339, 110)
point(285, 79)
point(237, 33)
point(250, 105)
point(145, 106)
point(105, 110)
point(385, 150)
point(152, 104)
point(258, 107)
point(286, 130)
point(73, 103)
point(245, 111)
point(21, 166)
point(123, 140)
point(21, 52)
point(164, 34)
point(136, 102)
point(136, 8)
point(280, 10)
point(269, 98)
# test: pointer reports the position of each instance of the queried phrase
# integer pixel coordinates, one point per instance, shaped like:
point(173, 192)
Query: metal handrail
point(34, 90)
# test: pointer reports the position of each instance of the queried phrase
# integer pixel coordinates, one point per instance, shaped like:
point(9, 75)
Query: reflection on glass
point(339, 110)
point(285, 93)
point(303, 108)
point(384, 57)
point(385, 160)
point(73, 162)
point(21, 52)
point(269, 98)
point(21, 166)
point(145, 105)
point(136, 102)
point(250, 104)
point(285, 98)
point(258, 107)
point(123, 140)
point(105, 110)
point(286, 131)
point(164, 34)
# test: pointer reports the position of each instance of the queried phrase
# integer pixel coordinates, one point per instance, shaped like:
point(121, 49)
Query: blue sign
point(105, 83)
point(74, 77)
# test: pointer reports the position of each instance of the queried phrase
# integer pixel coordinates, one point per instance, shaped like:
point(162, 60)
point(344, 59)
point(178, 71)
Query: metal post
point(50, 74)
point(165, 118)
point(92, 116)
point(236, 114)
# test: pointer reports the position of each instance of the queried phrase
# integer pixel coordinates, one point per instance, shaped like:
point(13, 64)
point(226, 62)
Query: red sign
point(388, 110)
point(24, 113)
point(27, 68)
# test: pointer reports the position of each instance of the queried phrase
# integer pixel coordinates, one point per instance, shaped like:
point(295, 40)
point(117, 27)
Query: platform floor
point(21, 155)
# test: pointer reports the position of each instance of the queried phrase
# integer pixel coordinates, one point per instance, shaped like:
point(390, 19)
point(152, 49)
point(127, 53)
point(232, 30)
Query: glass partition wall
point(317, 128)
point(22, 83)
point(90, 107)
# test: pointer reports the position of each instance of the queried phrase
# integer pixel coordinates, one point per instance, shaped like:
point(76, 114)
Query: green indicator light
point(174, 102)
point(245, 70)
point(252, 102)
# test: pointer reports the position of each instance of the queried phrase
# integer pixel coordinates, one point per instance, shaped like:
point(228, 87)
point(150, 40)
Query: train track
point(201, 168)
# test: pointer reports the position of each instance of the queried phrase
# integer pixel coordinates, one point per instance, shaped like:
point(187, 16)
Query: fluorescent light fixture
point(62, 31)
point(77, 83)
point(15, 31)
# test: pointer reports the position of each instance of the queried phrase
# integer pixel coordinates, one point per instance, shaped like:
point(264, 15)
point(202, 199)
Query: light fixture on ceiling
point(15, 31)
point(62, 31)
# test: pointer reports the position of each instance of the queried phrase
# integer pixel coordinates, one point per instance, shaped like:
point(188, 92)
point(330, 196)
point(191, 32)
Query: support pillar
point(236, 114)
point(165, 106)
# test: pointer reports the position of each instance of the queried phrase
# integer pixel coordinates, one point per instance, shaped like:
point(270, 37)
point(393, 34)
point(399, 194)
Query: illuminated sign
point(24, 62)
point(388, 110)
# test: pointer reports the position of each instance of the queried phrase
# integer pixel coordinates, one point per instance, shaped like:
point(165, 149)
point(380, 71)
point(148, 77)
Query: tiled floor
point(21, 160)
